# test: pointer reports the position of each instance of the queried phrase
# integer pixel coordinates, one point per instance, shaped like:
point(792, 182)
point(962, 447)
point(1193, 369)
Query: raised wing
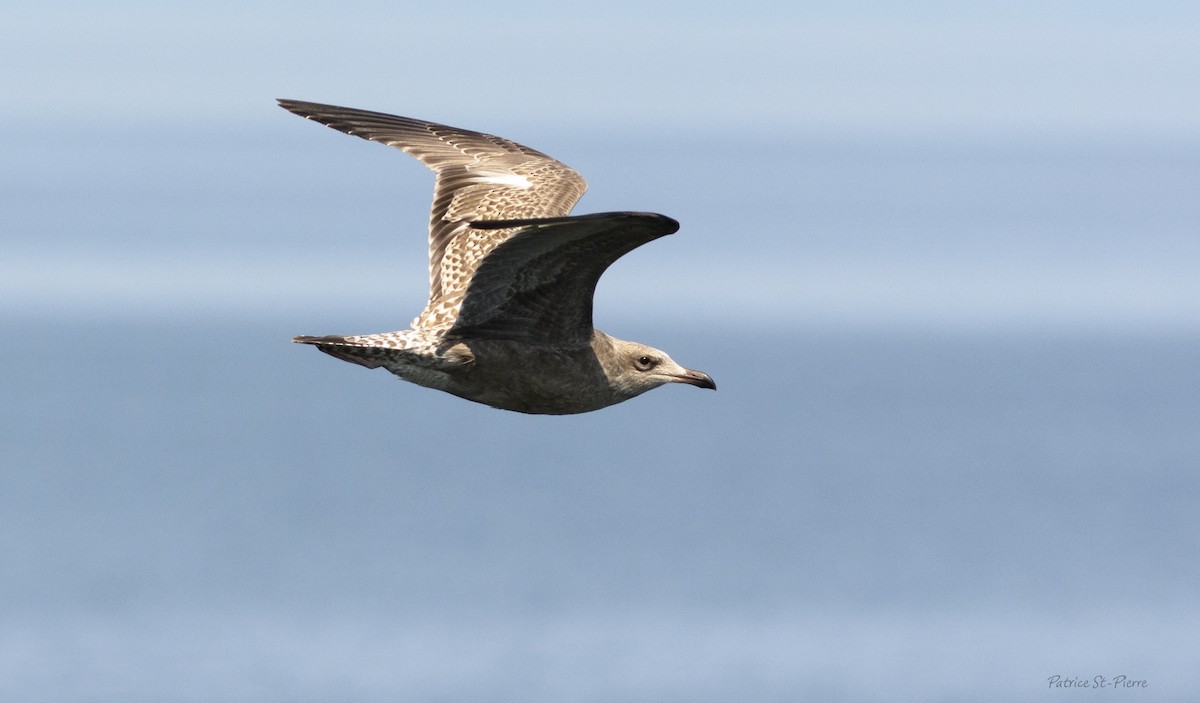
point(537, 285)
point(480, 177)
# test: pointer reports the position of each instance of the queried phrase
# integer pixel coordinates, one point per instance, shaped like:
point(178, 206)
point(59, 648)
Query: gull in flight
point(511, 278)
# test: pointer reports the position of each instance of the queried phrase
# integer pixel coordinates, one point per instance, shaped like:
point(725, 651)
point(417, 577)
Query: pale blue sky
point(1075, 68)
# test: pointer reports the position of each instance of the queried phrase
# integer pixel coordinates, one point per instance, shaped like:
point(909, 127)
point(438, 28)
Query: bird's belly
point(550, 383)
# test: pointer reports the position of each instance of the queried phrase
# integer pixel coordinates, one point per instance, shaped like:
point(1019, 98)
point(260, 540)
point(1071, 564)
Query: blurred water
point(199, 510)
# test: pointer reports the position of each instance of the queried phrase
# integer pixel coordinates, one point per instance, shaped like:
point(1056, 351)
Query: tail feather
point(339, 348)
point(326, 339)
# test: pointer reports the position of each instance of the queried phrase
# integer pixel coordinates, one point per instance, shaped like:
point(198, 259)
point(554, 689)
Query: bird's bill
point(694, 378)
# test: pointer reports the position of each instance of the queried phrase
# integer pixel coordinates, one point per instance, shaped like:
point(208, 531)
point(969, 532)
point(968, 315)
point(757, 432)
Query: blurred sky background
point(941, 259)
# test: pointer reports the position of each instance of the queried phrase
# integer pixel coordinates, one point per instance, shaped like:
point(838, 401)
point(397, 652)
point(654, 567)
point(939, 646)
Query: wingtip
point(305, 108)
point(670, 223)
point(299, 107)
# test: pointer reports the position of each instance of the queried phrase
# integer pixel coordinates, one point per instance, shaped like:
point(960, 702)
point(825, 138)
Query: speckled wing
point(537, 285)
point(480, 177)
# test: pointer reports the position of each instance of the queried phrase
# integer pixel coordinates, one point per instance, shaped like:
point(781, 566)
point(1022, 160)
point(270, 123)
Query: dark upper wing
point(479, 177)
point(537, 286)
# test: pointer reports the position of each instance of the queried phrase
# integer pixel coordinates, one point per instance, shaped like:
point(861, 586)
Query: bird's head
point(634, 368)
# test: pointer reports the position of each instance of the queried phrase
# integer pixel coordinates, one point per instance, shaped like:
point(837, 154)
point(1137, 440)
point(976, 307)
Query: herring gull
point(511, 278)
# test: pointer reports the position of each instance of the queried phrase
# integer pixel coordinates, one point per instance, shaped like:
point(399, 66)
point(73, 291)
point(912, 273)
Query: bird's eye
point(645, 362)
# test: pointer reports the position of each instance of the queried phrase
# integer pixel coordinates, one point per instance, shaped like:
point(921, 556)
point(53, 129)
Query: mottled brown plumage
point(511, 277)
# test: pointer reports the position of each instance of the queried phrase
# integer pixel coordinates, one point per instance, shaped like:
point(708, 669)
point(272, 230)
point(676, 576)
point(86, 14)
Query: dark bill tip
point(698, 379)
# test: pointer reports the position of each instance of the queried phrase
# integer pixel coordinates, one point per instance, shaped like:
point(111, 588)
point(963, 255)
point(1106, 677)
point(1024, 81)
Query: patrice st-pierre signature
point(1121, 681)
